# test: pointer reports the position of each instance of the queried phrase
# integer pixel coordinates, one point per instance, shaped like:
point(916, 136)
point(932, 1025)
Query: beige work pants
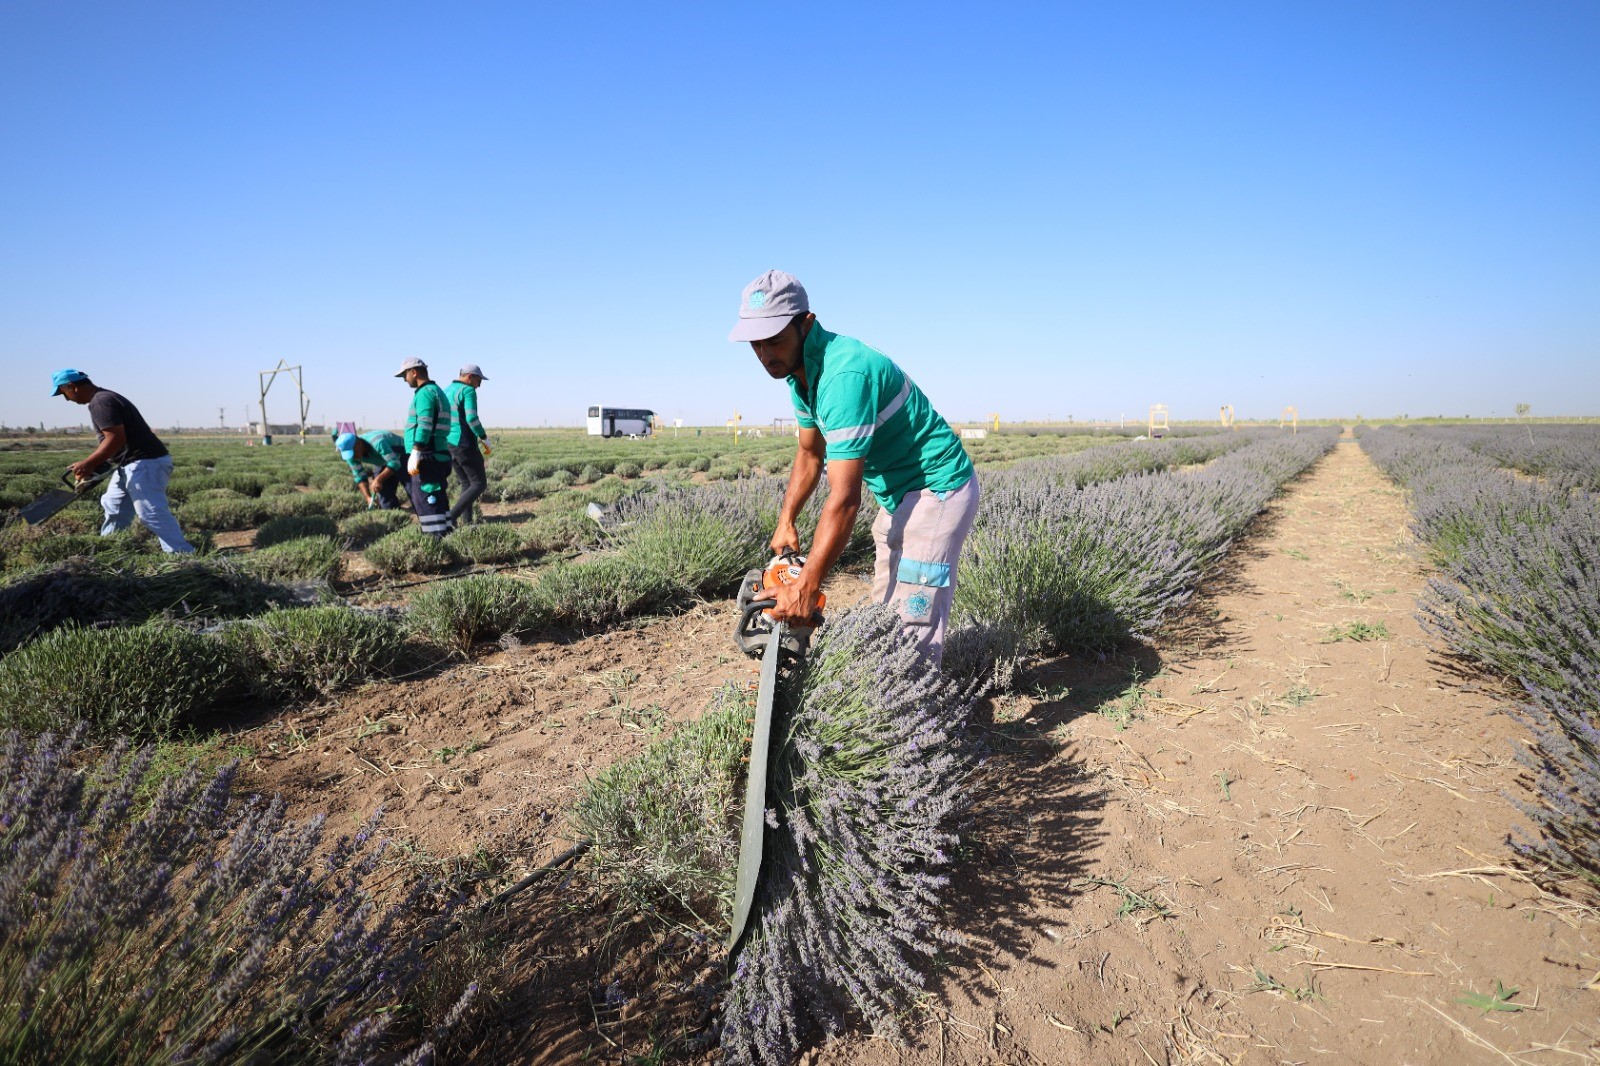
point(918, 547)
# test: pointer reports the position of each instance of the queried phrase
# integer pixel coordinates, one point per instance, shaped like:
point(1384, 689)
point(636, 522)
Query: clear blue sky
point(1044, 210)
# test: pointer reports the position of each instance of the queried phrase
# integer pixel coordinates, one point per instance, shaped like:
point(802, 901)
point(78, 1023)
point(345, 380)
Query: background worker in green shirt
point(385, 454)
point(427, 439)
point(861, 415)
point(466, 435)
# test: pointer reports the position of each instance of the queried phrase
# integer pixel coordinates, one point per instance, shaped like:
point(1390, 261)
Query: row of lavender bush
point(1055, 563)
point(192, 928)
point(666, 546)
point(1567, 456)
point(1517, 589)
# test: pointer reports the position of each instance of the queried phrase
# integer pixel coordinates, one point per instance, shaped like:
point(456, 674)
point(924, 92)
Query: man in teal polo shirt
point(864, 420)
point(467, 436)
point(428, 441)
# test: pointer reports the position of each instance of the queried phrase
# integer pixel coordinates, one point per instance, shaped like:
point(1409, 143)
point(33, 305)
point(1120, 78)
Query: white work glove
point(414, 466)
point(484, 444)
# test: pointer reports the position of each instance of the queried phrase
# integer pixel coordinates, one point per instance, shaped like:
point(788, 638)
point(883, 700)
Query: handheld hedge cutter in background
point(56, 499)
point(782, 648)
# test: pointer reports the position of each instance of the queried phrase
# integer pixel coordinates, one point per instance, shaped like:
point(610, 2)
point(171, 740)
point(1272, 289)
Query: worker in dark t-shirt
point(138, 489)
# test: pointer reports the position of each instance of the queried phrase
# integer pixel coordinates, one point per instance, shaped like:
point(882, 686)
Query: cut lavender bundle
point(868, 769)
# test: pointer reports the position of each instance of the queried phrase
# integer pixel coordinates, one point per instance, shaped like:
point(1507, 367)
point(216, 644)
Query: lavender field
point(894, 787)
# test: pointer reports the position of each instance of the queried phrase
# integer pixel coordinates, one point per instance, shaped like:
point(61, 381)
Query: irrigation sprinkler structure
point(1291, 418)
point(1158, 421)
point(267, 377)
point(1227, 416)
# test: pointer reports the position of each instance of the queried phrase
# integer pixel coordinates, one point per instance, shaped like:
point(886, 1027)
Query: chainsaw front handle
point(754, 630)
point(82, 484)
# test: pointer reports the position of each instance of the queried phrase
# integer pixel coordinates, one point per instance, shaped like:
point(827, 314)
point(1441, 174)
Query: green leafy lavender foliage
point(487, 543)
point(459, 613)
point(701, 539)
point(278, 530)
point(130, 590)
point(301, 650)
point(302, 559)
point(869, 768)
point(662, 824)
point(307, 504)
point(558, 531)
point(191, 930)
point(600, 591)
point(219, 515)
point(367, 527)
point(139, 680)
point(411, 551)
point(28, 546)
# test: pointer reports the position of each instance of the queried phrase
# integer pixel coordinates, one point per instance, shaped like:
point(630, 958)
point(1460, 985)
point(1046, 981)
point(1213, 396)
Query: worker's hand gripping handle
point(79, 484)
point(755, 625)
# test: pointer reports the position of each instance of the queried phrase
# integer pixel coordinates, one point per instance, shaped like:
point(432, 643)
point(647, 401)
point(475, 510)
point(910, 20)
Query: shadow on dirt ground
point(1035, 814)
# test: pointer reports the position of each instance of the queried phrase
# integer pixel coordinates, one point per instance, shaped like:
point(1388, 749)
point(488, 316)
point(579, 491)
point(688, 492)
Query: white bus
point(620, 421)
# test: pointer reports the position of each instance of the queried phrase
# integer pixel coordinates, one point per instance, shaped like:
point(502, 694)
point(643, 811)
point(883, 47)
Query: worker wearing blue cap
point(138, 488)
point(385, 454)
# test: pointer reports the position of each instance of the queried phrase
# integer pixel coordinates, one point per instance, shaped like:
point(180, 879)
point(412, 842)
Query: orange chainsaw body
point(784, 570)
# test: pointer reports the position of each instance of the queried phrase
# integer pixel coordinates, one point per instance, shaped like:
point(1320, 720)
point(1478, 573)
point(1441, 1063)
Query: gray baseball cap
point(411, 364)
point(473, 369)
point(768, 304)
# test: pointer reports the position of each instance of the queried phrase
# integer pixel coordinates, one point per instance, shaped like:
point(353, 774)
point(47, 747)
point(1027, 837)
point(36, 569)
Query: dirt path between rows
point(1275, 843)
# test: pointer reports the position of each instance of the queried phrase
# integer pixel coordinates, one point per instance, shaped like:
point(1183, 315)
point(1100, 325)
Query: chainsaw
point(782, 647)
point(56, 499)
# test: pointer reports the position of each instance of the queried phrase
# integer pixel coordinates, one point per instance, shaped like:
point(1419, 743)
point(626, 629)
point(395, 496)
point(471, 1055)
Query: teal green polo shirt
point(867, 408)
point(428, 424)
point(388, 450)
point(463, 412)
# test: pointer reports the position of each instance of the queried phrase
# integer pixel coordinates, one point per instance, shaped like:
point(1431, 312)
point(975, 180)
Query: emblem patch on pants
point(918, 605)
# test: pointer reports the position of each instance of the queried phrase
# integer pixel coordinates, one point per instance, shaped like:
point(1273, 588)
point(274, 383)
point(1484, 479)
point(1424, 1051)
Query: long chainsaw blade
point(46, 505)
point(755, 789)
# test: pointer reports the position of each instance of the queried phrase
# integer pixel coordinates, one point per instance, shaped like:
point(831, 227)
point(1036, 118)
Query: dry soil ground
point(1261, 841)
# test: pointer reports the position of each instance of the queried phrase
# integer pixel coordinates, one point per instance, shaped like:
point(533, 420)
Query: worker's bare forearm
point(837, 522)
point(803, 479)
point(111, 442)
point(834, 529)
point(100, 454)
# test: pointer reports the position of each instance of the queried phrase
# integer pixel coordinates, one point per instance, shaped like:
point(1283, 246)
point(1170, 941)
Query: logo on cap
point(757, 299)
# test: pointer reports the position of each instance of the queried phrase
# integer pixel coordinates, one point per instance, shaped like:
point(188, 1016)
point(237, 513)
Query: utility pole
point(222, 418)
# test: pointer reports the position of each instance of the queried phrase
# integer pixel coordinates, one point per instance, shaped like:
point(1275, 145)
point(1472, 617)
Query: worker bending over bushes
point(382, 452)
point(865, 417)
point(138, 488)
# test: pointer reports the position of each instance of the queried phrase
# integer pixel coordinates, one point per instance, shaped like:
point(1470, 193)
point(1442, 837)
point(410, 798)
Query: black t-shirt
point(109, 409)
